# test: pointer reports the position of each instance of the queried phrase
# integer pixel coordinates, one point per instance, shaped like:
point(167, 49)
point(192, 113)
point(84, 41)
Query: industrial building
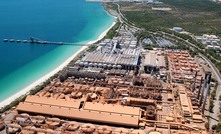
point(183, 68)
point(80, 110)
point(154, 61)
point(212, 41)
point(112, 90)
point(121, 52)
point(111, 102)
point(177, 29)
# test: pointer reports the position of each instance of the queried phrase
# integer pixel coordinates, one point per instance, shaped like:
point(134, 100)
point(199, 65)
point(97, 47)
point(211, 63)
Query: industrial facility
point(116, 89)
point(183, 68)
point(154, 61)
point(212, 42)
point(118, 53)
point(112, 102)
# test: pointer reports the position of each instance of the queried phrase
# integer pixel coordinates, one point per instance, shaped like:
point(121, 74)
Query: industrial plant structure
point(112, 90)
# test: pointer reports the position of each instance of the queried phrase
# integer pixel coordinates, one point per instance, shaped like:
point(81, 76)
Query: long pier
point(33, 40)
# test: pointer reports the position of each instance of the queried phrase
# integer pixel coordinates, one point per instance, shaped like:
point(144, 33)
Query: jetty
point(34, 40)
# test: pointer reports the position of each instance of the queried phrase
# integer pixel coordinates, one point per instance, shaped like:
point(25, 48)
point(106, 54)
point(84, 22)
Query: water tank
point(90, 64)
point(114, 66)
point(95, 64)
point(119, 66)
point(104, 65)
point(85, 64)
point(109, 66)
point(81, 64)
point(100, 65)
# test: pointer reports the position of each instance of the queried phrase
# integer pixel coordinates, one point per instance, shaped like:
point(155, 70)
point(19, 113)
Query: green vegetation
point(91, 48)
point(211, 105)
point(217, 128)
point(110, 6)
point(217, 64)
point(142, 35)
point(113, 31)
point(213, 94)
point(213, 53)
point(148, 47)
point(198, 16)
point(12, 104)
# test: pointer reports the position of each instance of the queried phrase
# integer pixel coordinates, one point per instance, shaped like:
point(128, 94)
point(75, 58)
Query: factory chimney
point(194, 84)
point(204, 86)
point(201, 82)
point(206, 94)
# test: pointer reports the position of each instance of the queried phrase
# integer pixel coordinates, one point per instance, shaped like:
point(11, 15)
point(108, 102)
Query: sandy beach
point(53, 72)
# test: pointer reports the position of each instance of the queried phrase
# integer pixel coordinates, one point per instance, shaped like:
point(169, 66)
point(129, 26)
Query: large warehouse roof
point(154, 60)
point(112, 108)
point(95, 112)
point(86, 115)
point(53, 102)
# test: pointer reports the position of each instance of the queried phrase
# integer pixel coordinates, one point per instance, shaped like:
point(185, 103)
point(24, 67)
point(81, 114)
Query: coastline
point(54, 71)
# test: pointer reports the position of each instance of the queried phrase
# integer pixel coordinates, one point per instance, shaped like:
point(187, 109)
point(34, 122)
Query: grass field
point(195, 16)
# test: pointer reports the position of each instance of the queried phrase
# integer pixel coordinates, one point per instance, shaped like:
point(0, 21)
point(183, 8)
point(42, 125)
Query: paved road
point(124, 19)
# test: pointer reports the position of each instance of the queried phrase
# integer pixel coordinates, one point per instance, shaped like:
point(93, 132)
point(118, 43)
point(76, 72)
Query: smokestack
point(201, 82)
point(204, 86)
point(207, 90)
point(6, 129)
point(194, 84)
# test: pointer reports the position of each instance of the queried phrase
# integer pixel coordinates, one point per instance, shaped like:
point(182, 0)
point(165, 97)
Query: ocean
point(75, 21)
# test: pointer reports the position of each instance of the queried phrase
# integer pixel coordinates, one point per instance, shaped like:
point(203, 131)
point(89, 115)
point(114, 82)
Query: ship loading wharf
point(34, 40)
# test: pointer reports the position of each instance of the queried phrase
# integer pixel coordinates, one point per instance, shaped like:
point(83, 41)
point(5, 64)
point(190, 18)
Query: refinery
point(119, 88)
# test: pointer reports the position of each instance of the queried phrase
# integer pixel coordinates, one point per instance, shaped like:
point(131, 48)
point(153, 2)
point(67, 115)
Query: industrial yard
point(118, 89)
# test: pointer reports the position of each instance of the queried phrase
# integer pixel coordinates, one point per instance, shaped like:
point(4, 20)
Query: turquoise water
point(53, 20)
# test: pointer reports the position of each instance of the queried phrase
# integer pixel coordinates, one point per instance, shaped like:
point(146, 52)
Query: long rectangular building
point(185, 103)
point(92, 112)
point(118, 109)
point(72, 103)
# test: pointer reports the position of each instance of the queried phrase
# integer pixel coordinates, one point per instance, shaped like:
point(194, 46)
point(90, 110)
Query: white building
point(210, 47)
point(209, 39)
point(177, 29)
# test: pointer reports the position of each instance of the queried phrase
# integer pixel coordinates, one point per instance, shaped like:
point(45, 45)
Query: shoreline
point(54, 71)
